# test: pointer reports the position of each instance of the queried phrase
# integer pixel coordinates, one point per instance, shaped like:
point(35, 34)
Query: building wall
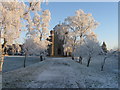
point(56, 48)
point(13, 49)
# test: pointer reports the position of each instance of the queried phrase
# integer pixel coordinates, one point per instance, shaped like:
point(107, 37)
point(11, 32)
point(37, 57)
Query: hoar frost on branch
point(90, 48)
point(75, 29)
point(41, 24)
point(32, 46)
point(12, 14)
point(38, 30)
point(10, 23)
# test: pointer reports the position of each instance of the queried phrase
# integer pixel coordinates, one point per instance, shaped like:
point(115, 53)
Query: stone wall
point(56, 48)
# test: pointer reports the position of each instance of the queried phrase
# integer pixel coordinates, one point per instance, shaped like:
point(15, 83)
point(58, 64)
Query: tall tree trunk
point(1, 57)
point(72, 58)
point(41, 58)
point(2, 47)
point(25, 60)
point(89, 61)
point(73, 51)
point(80, 60)
point(103, 64)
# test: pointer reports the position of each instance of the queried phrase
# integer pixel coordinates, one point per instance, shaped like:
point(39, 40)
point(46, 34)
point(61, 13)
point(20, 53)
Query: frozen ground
point(64, 73)
point(0, 80)
point(15, 62)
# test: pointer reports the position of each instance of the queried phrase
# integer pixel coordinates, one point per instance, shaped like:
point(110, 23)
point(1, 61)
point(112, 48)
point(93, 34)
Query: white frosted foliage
point(75, 29)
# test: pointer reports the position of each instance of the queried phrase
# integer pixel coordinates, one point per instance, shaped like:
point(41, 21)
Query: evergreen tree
point(104, 47)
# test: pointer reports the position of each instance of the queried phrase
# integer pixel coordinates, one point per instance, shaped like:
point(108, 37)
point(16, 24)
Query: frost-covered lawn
point(0, 80)
point(64, 73)
point(15, 62)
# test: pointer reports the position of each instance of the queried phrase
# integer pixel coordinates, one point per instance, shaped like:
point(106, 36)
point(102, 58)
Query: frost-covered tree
point(107, 55)
point(12, 15)
point(32, 46)
point(41, 23)
point(29, 48)
point(41, 49)
point(40, 31)
point(10, 23)
point(75, 28)
point(89, 48)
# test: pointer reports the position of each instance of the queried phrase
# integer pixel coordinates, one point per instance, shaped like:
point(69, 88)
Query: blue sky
point(106, 13)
